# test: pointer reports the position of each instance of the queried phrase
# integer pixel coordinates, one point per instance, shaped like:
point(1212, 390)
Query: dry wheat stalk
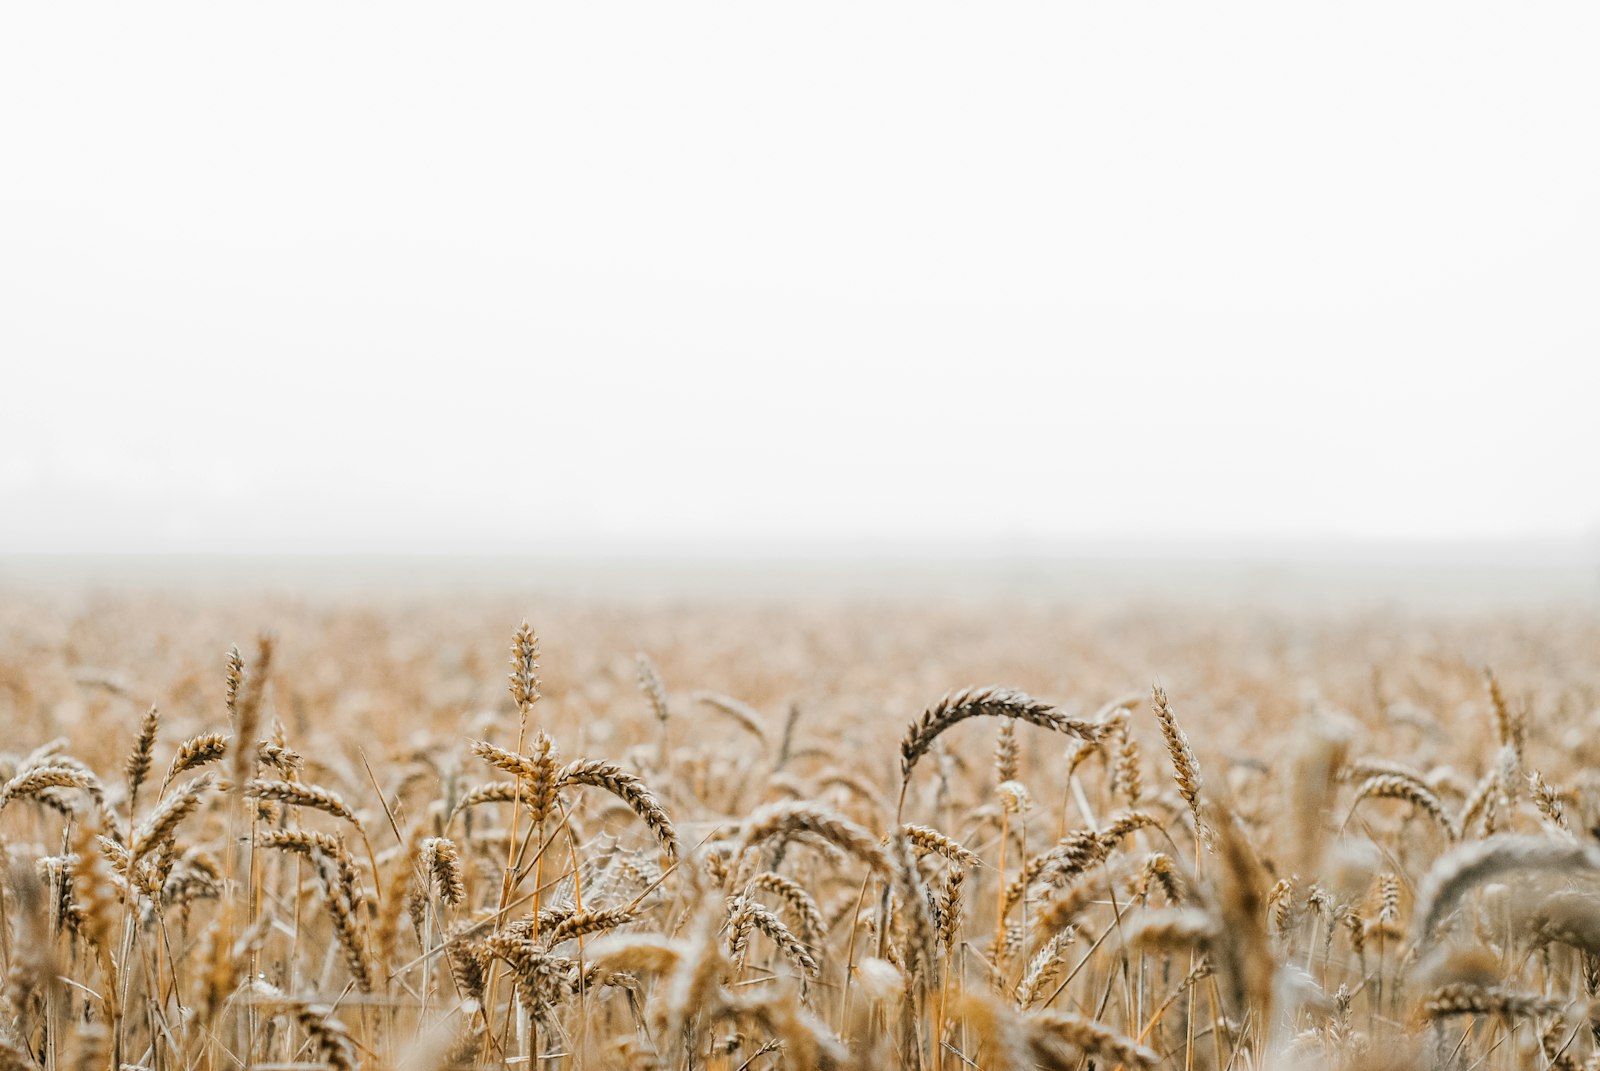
point(302, 841)
point(518, 765)
point(1174, 929)
point(986, 702)
point(1509, 728)
point(746, 914)
point(1473, 864)
point(195, 752)
point(400, 892)
point(138, 765)
point(1390, 787)
point(911, 896)
point(928, 841)
point(640, 953)
point(537, 775)
point(1464, 999)
point(1071, 856)
point(247, 710)
point(1571, 917)
point(1185, 767)
point(160, 826)
point(1005, 752)
point(1159, 868)
point(582, 923)
point(1127, 780)
point(96, 901)
point(277, 754)
point(343, 901)
point(441, 859)
point(298, 794)
point(1092, 1039)
point(1061, 913)
point(1547, 801)
point(1245, 964)
point(33, 783)
point(949, 913)
point(694, 984)
point(630, 790)
point(742, 714)
point(1367, 766)
point(999, 1029)
point(788, 817)
point(650, 684)
point(488, 792)
point(329, 1036)
point(1043, 968)
point(524, 676)
point(801, 904)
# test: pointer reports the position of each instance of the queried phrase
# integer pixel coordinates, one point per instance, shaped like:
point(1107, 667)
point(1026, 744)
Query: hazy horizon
point(1303, 576)
point(561, 277)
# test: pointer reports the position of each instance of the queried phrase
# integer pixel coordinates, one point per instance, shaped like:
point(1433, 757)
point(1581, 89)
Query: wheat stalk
point(986, 702)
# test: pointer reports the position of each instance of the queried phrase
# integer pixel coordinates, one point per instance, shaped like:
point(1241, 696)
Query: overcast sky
point(586, 275)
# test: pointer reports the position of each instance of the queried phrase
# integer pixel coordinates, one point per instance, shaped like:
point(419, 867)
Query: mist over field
point(1329, 576)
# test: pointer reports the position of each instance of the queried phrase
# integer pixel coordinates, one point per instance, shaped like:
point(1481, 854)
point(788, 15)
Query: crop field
point(472, 833)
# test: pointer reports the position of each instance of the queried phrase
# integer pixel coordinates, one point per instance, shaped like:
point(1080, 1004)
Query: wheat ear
point(986, 702)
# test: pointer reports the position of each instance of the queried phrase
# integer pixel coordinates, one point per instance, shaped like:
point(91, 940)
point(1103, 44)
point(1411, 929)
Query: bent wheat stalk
point(988, 702)
point(1473, 864)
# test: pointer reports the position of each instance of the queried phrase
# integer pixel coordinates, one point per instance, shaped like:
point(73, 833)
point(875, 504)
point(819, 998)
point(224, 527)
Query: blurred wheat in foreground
point(1376, 854)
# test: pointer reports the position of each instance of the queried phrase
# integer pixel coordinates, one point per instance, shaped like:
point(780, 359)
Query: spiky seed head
point(524, 675)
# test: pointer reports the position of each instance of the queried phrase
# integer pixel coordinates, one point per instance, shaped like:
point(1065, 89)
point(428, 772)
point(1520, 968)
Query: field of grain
point(473, 833)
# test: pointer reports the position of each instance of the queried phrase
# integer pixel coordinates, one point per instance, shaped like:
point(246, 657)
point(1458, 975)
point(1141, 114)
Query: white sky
point(335, 276)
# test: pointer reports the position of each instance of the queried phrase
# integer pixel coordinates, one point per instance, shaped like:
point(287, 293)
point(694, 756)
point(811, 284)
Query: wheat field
point(473, 834)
